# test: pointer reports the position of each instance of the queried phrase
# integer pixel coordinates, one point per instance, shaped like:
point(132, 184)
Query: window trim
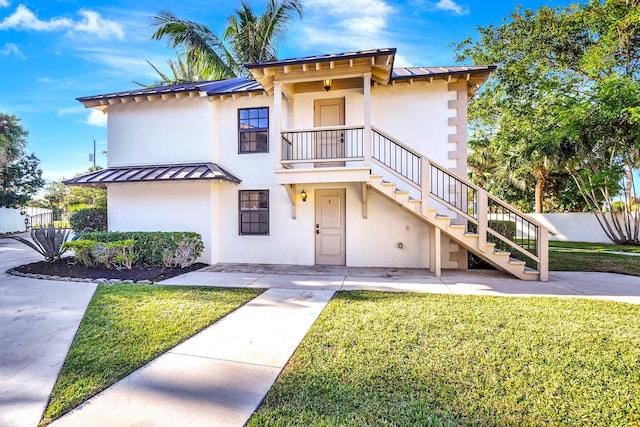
point(240, 212)
point(253, 130)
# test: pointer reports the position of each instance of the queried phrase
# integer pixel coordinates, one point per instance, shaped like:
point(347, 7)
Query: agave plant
point(47, 241)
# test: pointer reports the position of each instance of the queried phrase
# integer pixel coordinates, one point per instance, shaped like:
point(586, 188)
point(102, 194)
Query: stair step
point(531, 271)
point(416, 205)
point(471, 235)
point(514, 261)
point(502, 253)
point(402, 196)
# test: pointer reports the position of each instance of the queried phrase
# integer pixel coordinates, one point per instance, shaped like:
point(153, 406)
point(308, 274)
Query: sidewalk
point(38, 320)
point(216, 378)
point(610, 286)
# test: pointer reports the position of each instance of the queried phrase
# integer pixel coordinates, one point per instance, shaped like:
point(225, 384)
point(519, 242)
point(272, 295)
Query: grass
point(125, 326)
point(440, 360)
point(580, 256)
point(597, 247)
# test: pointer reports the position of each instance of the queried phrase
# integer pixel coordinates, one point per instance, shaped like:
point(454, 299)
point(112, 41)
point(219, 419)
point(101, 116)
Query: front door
point(330, 227)
point(330, 143)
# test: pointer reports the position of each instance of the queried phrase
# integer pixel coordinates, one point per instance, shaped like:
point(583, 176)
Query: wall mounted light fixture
point(303, 195)
point(327, 83)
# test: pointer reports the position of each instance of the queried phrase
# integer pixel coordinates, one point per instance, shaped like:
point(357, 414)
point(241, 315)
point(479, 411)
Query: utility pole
point(94, 169)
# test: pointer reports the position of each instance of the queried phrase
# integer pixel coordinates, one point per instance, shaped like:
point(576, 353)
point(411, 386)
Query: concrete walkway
point(38, 320)
point(216, 378)
point(610, 286)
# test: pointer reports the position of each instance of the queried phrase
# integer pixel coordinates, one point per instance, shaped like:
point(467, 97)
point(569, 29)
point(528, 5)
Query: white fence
point(12, 221)
point(573, 226)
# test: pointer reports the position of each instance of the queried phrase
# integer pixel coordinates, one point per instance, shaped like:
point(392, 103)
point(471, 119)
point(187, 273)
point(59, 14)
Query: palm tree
point(247, 38)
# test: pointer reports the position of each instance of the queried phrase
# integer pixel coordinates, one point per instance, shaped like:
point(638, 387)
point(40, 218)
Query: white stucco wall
point(573, 226)
point(369, 242)
point(417, 115)
point(165, 206)
point(159, 132)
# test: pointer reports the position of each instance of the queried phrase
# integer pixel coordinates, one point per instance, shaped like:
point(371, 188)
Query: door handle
point(317, 231)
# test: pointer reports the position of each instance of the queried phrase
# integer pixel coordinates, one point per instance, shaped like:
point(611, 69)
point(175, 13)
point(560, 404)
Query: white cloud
point(97, 118)
point(24, 19)
point(346, 25)
point(451, 6)
point(11, 49)
point(4, 3)
point(91, 22)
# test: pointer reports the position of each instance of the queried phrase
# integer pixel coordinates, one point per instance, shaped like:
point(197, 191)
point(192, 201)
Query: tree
point(20, 176)
point(247, 38)
point(64, 197)
point(563, 101)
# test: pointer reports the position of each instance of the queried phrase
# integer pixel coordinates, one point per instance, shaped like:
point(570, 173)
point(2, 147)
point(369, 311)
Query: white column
point(277, 120)
point(367, 141)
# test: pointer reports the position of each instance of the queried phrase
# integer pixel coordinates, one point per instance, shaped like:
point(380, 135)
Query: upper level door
point(329, 144)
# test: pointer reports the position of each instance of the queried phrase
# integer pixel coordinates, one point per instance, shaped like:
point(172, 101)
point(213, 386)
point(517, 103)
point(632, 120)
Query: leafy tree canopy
point(564, 102)
point(20, 175)
point(248, 37)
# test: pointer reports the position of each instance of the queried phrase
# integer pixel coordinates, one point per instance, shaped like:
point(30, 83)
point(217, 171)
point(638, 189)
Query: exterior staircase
point(481, 223)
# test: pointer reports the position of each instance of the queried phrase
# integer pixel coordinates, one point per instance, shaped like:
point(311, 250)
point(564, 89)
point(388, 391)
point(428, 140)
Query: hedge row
point(157, 248)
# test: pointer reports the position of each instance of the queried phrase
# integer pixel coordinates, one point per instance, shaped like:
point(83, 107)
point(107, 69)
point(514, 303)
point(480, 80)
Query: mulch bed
point(67, 267)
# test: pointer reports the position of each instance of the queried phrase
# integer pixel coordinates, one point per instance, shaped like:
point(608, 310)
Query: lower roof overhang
point(154, 173)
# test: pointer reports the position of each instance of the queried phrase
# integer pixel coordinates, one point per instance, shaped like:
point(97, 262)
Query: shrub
point(183, 256)
point(156, 247)
point(83, 250)
point(123, 253)
point(119, 254)
point(88, 220)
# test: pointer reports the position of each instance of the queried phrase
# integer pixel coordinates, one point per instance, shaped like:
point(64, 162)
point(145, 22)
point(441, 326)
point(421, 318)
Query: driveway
point(38, 320)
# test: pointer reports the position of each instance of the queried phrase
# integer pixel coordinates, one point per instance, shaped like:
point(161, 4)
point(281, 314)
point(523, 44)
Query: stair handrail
point(481, 213)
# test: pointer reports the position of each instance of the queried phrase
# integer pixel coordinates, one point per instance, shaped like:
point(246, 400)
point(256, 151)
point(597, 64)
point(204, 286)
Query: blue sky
point(53, 51)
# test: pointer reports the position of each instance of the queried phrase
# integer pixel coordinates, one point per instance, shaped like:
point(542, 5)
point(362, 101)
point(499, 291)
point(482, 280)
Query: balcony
point(324, 154)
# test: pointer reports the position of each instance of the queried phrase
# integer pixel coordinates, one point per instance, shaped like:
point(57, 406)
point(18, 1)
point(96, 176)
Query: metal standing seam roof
point(418, 72)
point(154, 173)
point(207, 88)
point(322, 58)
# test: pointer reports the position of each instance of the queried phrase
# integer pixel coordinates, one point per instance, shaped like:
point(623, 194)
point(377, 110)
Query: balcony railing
point(340, 143)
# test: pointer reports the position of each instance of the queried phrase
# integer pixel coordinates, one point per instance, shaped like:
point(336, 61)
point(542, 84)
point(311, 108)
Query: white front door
point(329, 144)
point(330, 227)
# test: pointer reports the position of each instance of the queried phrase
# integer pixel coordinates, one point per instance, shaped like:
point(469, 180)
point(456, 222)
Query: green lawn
point(579, 256)
point(597, 247)
point(440, 360)
point(126, 326)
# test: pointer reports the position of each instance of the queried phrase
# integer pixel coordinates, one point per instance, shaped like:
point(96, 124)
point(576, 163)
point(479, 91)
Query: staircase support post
point(437, 249)
point(482, 211)
point(543, 254)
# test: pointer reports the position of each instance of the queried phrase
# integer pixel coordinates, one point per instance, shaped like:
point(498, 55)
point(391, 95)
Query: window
point(253, 130)
point(254, 212)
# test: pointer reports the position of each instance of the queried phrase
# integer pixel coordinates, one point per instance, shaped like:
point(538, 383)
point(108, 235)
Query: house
point(333, 159)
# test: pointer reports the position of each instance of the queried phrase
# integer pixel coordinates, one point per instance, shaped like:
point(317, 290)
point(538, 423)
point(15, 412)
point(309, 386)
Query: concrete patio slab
point(216, 378)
